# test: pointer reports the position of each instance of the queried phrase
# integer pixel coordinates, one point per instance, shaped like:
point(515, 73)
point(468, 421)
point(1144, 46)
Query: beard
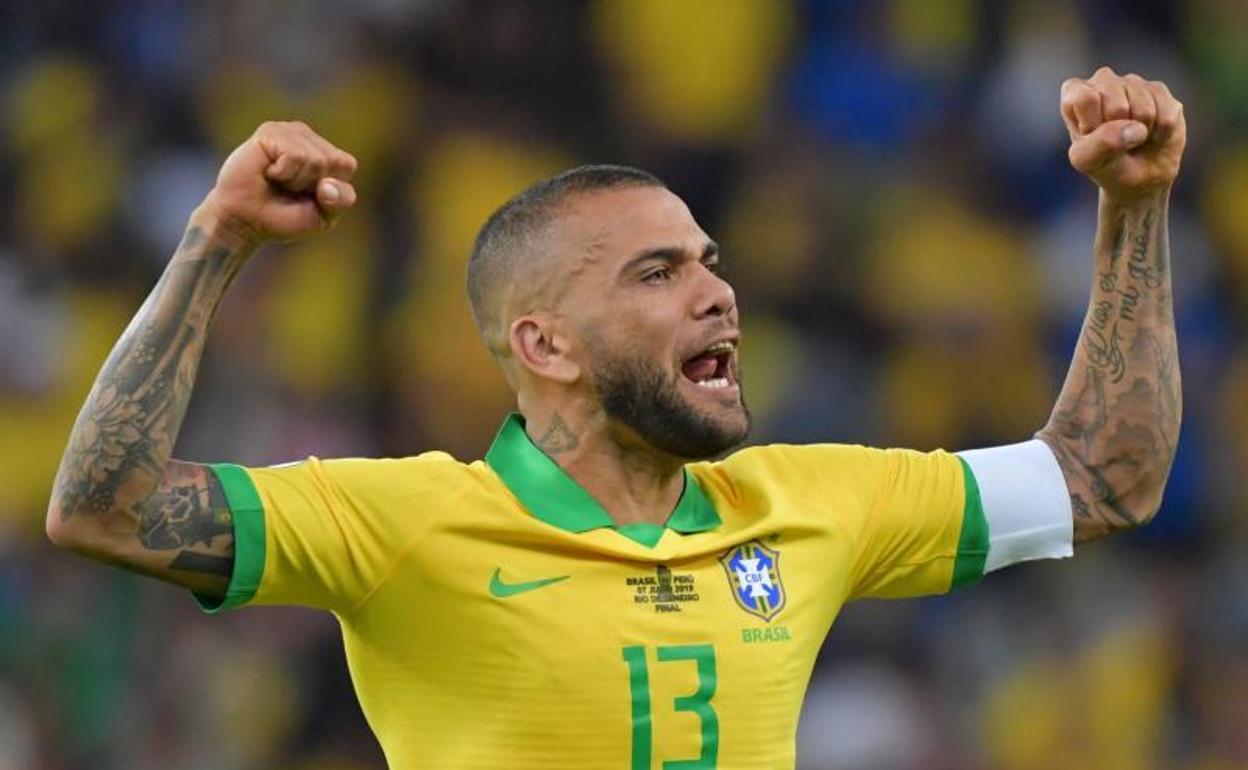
point(640, 395)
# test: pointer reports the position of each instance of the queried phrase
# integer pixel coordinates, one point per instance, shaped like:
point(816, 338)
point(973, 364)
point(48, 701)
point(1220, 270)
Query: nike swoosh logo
point(502, 590)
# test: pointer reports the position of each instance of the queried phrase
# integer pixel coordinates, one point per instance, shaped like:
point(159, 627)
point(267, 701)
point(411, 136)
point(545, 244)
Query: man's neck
point(633, 482)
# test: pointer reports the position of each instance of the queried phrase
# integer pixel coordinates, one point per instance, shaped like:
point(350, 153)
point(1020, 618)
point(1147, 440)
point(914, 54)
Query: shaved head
point(600, 296)
point(509, 261)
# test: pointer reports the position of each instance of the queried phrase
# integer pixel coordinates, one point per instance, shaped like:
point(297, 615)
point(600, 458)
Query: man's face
point(657, 326)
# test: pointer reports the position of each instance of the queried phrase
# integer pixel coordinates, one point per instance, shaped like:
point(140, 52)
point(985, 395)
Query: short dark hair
point(499, 251)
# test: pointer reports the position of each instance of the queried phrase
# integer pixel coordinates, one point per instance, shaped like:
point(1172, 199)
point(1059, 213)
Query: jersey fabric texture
point(493, 617)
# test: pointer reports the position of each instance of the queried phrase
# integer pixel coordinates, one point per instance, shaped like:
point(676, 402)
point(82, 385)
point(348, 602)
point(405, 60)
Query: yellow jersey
point(494, 617)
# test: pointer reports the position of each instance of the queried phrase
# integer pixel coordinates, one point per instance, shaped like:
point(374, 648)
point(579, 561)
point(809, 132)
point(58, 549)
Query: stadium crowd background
point(909, 246)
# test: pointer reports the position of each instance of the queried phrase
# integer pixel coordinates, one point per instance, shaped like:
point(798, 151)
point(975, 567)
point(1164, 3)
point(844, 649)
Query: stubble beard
point(638, 394)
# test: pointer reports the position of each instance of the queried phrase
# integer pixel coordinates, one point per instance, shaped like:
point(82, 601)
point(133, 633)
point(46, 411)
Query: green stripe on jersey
point(247, 513)
point(968, 567)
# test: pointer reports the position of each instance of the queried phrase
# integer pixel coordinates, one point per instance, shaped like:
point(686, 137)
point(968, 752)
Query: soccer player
point(598, 592)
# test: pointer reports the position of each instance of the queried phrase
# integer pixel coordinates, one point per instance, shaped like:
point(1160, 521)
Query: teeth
point(714, 382)
point(723, 346)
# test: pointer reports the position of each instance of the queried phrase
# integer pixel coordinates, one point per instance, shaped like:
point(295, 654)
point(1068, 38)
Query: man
point(596, 593)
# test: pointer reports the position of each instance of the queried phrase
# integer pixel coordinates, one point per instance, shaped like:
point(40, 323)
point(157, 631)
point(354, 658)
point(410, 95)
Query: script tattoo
point(1150, 272)
point(1115, 426)
point(1103, 341)
point(121, 443)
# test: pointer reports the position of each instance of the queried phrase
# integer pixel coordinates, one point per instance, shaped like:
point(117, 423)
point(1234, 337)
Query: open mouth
point(712, 368)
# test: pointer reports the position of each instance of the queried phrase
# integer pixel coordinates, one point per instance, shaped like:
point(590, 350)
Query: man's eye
point(657, 275)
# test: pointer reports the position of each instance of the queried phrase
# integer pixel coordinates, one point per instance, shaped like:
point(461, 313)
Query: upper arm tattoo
point(189, 512)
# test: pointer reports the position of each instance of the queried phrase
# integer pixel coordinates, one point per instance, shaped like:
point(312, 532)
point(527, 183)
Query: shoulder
point(426, 473)
point(423, 463)
point(821, 466)
point(787, 467)
point(794, 458)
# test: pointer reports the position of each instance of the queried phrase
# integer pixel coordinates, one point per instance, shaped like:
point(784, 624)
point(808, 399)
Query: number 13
point(699, 703)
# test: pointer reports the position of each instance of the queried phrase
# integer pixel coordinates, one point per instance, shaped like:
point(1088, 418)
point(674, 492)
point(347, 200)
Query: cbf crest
point(754, 576)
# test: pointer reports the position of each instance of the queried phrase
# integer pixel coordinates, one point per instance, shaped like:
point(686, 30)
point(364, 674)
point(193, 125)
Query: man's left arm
point(931, 522)
point(1116, 421)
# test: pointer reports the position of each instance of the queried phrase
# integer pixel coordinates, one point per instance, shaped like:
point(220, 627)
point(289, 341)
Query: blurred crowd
point(910, 249)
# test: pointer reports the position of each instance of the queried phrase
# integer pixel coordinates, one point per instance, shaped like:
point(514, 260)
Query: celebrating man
point(598, 592)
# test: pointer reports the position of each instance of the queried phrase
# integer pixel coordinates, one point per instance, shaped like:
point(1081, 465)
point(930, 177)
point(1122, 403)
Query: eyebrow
point(669, 254)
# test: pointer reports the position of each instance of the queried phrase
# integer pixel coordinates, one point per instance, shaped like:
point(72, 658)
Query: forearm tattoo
point(1116, 422)
point(120, 446)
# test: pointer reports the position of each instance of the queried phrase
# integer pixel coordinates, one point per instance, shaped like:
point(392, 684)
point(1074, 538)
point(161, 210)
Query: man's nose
point(716, 297)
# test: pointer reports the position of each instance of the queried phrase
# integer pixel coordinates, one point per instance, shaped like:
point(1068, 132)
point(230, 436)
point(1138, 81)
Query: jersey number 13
point(699, 702)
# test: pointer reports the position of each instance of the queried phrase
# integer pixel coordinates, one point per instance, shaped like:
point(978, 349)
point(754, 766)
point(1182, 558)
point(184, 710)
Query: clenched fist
point(285, 181)
point(1126, 133)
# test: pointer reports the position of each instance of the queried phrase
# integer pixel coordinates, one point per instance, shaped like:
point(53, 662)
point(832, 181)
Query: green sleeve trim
point(968, 567)
point(248, 515)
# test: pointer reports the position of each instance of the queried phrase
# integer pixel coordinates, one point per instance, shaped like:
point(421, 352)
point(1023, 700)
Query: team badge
point(754, 576)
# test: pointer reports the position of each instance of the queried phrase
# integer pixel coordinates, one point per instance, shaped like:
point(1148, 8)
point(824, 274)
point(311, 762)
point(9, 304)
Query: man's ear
point(540, 347)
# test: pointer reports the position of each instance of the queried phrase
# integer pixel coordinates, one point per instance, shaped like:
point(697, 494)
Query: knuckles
point(1073, 86)
point(297, 141)
point(1115, 104)
point(1121, 97)
point(1077, 91)
point(278, 127)
point(1081, 97)
point(1169, 121)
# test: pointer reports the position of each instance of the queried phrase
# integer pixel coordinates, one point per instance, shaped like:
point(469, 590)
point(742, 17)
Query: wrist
point(1149, 199)
point(238, 239)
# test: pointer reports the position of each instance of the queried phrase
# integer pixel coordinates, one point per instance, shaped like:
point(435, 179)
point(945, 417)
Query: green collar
point(554, 497)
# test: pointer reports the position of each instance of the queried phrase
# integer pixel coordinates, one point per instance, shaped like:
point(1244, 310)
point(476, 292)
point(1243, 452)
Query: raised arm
point(1116, 422)
point(118, 496)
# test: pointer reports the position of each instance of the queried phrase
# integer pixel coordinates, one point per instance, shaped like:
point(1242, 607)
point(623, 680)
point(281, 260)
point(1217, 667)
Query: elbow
point(1151, 492)
point(96, 535)
point(59, 523)
point(1155, 472)
point(1114, 489)
point(1147, 493)
point(76, 532)
point(1141, 511)
point(1137, 500)
point(61, 531)
point(81, 538)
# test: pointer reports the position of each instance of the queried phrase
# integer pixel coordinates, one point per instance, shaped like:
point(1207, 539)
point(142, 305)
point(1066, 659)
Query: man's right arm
point(118, 495)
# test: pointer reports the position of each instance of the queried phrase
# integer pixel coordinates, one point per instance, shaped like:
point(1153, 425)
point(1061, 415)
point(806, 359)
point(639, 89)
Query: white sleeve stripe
point(1025, 502)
